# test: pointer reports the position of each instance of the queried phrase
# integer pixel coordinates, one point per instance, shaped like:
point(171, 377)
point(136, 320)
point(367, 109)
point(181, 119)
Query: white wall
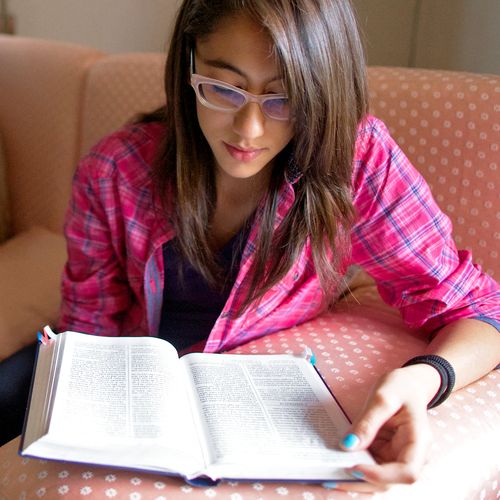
point(108, 25)
point(447, 34)
point(459, 34)
point(388, 30)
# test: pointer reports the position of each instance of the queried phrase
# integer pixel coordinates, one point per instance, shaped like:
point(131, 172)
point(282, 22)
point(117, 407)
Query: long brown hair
point(320, 55)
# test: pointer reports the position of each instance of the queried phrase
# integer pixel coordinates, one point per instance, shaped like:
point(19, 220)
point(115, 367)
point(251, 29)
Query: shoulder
point(372, 135)
point(381, 170)
point(377, 153)
point(129, 151)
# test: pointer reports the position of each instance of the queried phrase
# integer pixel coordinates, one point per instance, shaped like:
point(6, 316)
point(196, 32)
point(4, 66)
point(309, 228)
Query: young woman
point(236, 211)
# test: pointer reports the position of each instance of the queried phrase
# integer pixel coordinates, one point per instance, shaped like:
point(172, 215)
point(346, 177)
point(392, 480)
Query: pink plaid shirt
point(113, 281)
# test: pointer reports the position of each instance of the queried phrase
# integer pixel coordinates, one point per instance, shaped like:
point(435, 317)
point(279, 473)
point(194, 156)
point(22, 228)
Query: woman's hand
point(394, 423)
point(394, 426)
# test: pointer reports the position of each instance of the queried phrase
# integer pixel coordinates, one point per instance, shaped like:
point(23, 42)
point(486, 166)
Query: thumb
point(368, 424)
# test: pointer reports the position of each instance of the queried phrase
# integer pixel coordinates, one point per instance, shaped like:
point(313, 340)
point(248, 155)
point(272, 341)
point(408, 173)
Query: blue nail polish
point(357, 474)
point(329, 485)
point(350, 441)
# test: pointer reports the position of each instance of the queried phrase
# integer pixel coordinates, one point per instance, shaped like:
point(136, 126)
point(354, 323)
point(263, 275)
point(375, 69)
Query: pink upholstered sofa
point(56, 100)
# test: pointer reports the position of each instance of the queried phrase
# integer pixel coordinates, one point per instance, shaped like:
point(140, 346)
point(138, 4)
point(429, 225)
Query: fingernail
point(357, 474)
point(350, 441)
point(330, 485)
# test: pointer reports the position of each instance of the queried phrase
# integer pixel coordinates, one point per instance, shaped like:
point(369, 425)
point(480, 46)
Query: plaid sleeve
point(404, 240)
point(94, 286)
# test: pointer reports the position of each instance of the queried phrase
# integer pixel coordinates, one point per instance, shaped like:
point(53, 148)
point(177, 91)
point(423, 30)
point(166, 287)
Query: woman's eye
point(222, 96)
point(223, 91)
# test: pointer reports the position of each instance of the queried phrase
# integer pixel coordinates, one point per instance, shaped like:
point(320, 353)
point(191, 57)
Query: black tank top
point(190, 305)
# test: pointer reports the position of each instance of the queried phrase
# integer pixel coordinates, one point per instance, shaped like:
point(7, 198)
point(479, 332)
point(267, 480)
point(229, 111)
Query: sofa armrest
point(4, 200)
point(30, 266)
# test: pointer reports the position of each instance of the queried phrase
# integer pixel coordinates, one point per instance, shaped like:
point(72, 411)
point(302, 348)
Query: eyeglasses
point(221, 96)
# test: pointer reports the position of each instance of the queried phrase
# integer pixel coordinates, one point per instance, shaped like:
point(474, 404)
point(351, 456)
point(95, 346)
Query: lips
point(243, 154)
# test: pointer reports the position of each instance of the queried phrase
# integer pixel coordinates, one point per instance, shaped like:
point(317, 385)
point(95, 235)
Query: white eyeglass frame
point(197, 80)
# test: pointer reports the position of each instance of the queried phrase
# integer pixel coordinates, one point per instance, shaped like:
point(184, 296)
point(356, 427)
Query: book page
point(122, 402)
point(271, 414)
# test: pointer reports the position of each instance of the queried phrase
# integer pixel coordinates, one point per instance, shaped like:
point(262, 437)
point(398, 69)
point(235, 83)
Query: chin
point(240, 170)
point(241, 173)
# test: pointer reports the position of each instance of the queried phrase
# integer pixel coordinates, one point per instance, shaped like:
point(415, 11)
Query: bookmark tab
point(309, 355)
point(48, 332)
point(47, 335)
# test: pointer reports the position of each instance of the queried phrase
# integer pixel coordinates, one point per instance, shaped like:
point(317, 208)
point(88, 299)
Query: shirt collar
point(293, 172)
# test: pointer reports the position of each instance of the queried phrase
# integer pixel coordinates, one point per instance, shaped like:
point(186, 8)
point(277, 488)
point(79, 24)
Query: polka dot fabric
point(119, 88)
point(354, 345)
point(448, 124)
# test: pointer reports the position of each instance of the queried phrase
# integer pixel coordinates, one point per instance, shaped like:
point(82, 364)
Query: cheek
point(210, 121)
point(283, 134)
point(203, 120)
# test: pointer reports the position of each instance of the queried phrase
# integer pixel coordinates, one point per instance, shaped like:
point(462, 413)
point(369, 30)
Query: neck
point(237, 199)
point(241, 191)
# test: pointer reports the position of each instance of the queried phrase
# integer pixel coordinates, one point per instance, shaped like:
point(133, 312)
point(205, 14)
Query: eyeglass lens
point(229, 99)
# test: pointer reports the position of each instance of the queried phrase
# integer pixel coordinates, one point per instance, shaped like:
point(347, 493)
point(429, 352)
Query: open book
point(132, 402)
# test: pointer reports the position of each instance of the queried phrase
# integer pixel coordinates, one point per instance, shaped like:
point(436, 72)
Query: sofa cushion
point(30, 267)
point(354, 345)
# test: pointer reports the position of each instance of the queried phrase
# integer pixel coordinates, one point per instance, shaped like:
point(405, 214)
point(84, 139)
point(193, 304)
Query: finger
point(404, 466)
point(413, 437)
point(377, 412)
point(362, 488)
point(388, 474)
point(355, 487)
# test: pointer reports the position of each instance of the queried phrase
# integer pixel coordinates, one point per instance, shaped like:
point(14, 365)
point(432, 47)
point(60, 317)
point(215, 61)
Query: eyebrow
point(221, 64)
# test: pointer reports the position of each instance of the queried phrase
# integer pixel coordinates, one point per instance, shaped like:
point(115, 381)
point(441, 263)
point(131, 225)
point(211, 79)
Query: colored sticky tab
point(312, 359)
point(309, 355)
point(48, 333)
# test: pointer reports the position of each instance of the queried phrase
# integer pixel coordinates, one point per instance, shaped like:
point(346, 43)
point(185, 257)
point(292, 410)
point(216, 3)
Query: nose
point(249, 121)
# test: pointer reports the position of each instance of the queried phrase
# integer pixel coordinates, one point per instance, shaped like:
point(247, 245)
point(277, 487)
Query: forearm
point(471, 346)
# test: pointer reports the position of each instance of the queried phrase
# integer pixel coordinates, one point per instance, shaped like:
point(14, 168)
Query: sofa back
point(56, 100)
point(448, 125)
point(118, 88)
point(41, 88)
